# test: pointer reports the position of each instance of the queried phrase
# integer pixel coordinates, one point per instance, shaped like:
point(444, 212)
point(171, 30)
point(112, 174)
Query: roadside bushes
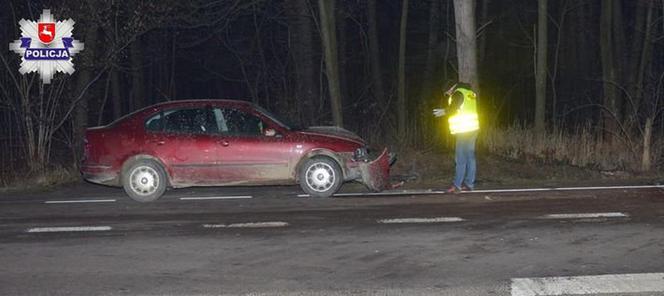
point(580, 147)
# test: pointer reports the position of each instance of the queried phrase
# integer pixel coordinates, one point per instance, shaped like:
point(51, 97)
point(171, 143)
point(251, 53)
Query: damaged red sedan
point(224, 143)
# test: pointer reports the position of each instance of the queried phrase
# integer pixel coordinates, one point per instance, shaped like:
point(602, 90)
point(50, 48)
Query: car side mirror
point(270, 132)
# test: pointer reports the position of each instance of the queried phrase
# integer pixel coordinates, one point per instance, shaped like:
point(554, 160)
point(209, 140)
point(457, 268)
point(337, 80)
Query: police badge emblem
point(46, 46)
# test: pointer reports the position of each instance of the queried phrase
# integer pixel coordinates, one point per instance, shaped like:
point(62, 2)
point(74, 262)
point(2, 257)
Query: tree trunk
point(374, 49)
point(340, 21)
point(428, 86)
point(643, 59)
point(464, 16)
point(430, 92)
point(29, 129)
point(137, 82)
point(484, 20)
point(646, 160)
point(302, 47)
point(632, 66)
point(610, 110)
point(541, 69)
point(328, 34)
point(611, 94)
point(116, 96)
point(84, 76)
point(402, 107)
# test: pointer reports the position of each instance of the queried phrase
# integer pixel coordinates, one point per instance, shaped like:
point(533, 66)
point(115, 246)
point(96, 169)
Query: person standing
point(464, 125)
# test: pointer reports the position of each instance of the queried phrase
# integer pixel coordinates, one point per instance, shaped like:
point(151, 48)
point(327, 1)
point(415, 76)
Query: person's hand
point(438, 112)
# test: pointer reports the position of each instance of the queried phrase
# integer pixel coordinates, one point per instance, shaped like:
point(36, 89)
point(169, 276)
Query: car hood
point(333, 131)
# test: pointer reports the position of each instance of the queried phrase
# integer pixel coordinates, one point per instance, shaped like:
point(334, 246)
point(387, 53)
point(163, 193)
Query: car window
point(237, 122)
point(193, 121)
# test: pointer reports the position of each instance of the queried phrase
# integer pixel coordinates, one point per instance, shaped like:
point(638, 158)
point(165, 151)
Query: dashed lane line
point(79, 201)
point(585, 216)
point(69, 229)
point(613, 284)
point(216, 197)
point(276, 224)
point(421, 220)
point(272, 224)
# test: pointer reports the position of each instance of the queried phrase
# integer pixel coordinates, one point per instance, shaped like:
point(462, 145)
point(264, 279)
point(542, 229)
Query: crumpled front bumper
point(375, 174)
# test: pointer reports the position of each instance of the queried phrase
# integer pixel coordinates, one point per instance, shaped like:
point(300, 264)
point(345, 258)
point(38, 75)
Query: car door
point(248, 156)
point(187, 141)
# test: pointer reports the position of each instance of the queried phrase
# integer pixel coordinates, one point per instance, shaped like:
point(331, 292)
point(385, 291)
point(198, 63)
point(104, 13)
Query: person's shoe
point(453, 189)
point(465, 187)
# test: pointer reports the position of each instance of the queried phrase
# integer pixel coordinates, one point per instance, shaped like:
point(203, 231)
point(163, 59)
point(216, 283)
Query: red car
point(220, 143)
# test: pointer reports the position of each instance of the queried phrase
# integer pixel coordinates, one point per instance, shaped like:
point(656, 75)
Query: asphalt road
point(91, 240)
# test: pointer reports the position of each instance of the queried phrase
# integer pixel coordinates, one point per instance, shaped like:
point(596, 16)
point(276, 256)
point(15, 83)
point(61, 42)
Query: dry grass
point(10, 181)
point(517, 156)
point(581, 148)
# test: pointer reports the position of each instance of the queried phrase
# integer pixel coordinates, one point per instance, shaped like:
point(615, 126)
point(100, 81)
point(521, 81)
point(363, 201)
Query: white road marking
point(216, 197)
point(567, 189)
point(68, 229)
point(431, 192)
point(585, 216)
point(422, 220)
point(78, 201)
point(584, 285)
point(248, 225)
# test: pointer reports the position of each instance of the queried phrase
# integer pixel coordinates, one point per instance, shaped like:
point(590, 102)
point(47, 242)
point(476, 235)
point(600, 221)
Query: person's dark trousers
point(465, 159)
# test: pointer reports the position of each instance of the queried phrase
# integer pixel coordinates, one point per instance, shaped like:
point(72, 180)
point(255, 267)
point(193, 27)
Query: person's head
point(456, 86)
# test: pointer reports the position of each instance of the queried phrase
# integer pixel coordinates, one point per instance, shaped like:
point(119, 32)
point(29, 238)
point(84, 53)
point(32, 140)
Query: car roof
point(182, 103)
point(201, 102)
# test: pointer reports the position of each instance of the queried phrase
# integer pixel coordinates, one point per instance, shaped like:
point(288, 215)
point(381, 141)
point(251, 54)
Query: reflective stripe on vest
point(466, 119)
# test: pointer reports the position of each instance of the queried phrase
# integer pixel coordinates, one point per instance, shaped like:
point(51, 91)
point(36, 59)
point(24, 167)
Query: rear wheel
point(144, 180)
point(320, 176)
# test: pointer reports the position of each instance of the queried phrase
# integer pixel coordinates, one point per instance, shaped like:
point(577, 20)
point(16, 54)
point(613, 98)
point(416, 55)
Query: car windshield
point(284, 123)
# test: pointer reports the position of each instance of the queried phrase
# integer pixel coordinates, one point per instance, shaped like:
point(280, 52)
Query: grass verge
point(54, 176)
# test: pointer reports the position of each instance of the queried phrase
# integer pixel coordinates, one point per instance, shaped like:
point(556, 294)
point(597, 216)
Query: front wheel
point(144, 180)
point(320, 176)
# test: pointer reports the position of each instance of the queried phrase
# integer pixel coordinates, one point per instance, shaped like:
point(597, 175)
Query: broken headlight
point(361, 154)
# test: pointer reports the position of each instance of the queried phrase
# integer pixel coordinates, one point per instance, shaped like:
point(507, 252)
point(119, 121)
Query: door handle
point(224, 143)
point(159, 142)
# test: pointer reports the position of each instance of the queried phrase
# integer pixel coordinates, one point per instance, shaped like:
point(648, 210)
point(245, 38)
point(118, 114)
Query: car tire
point(144, 180)
point(320, 176)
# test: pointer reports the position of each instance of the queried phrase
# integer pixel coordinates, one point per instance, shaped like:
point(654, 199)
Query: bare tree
point(302, 48)
point(374, 52)
point(464, 15)
point(610, 112)
point(402, 107)
point(541, 68)
point(116, 94)
point(484, 22)
point(86, 68)
point(328, 34)
point(137, 73)
point(430, 92)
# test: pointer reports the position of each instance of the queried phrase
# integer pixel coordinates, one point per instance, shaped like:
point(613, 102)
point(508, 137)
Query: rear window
point(191, 121)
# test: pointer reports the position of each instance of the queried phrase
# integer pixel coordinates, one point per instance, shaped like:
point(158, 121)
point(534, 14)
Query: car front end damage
point(373, 172)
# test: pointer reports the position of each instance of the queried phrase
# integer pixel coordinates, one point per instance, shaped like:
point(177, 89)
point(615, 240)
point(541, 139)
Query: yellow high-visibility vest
point(466, 119)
